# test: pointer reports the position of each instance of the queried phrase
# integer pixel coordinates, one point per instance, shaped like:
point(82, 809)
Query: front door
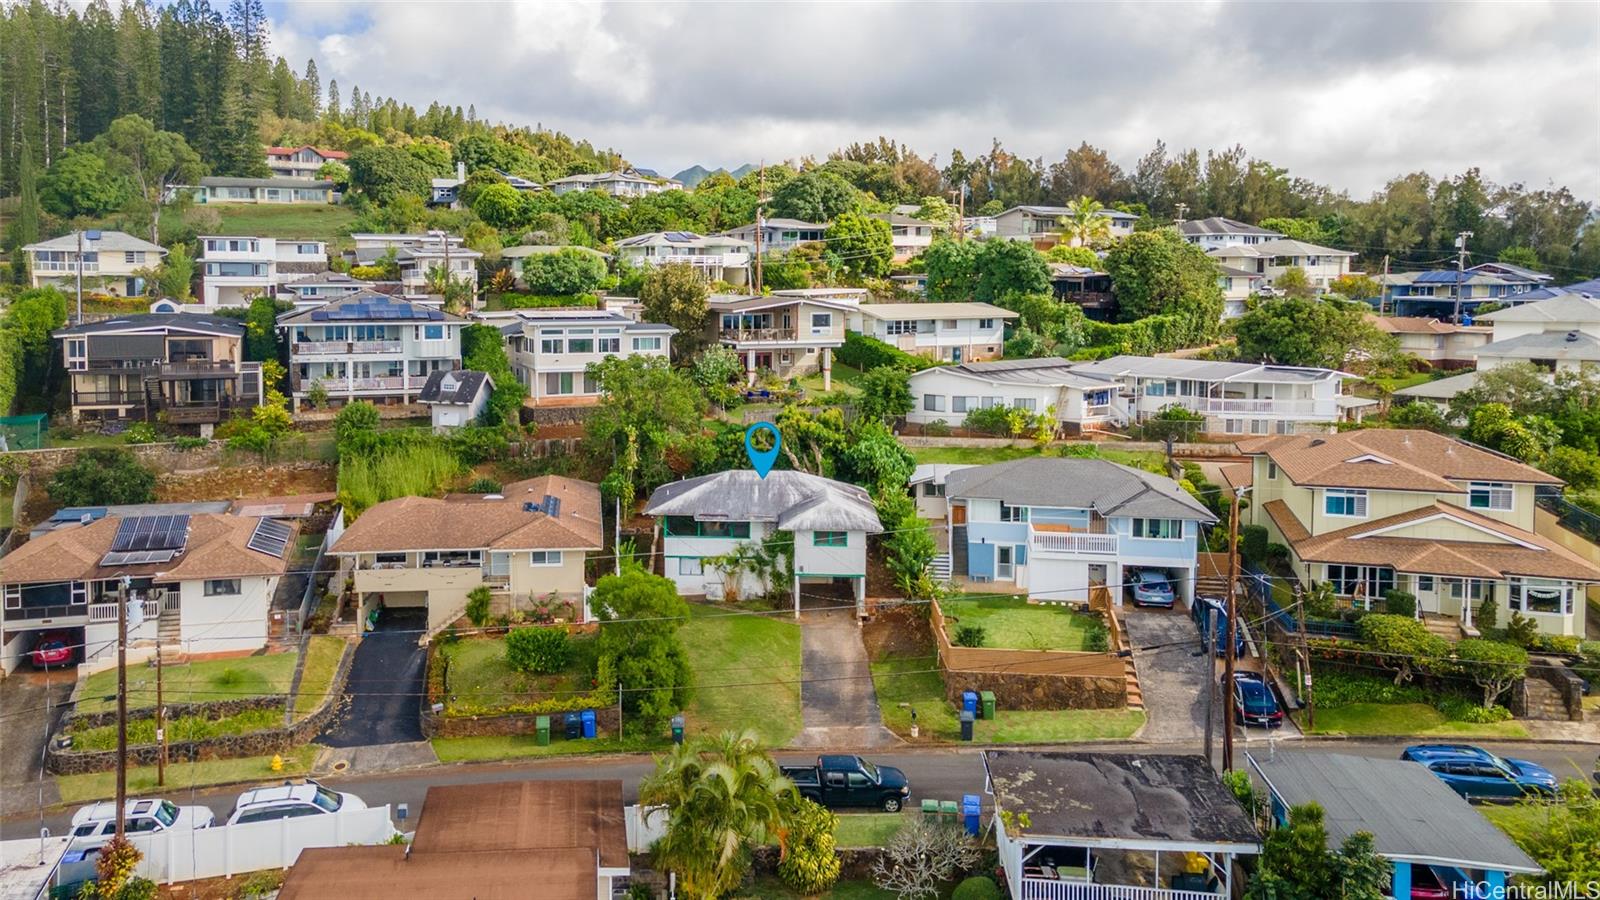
point(764, 361)
point(955, 355)
point(1004, 569)
point(958, 514)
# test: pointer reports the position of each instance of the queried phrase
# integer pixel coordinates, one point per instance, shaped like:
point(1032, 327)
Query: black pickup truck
point(839, 781)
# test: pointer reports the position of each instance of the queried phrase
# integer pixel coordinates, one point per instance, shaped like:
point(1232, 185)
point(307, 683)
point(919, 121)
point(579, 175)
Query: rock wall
point(1016, 690)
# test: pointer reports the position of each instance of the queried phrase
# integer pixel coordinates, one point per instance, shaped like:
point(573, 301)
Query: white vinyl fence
point(645, 826)
point(227, 850)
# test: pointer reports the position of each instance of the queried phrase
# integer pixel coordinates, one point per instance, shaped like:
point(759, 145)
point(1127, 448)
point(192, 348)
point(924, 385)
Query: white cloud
point(1344, 94)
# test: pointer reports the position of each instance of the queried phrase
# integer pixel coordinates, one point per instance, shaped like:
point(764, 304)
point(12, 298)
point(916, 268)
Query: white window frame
point(1009, 513)
point(933, 403)
point(13, 596)
point(223, 587)
point(646, 343)
point(691, 565)
point(544, 558)
point(1173, 529)
point(1491, 491)
point(1358, 506)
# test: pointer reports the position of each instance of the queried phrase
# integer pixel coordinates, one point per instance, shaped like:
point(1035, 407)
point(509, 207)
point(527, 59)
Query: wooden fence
point(1030, 679)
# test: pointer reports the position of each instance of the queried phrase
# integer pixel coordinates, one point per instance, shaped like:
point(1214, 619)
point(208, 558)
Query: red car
point(54, 648)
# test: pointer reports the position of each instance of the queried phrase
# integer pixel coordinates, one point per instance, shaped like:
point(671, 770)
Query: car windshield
point(166, 813)
point(1502, 765)
point(327, 800)
point(870, 769)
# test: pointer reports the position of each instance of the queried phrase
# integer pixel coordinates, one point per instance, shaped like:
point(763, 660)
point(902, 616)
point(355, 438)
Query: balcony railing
point(205, 367)
point(47, 612)
point(1075, 542)
point(780, 335)
point(1049, 889)
point(342, 348)
point(108, 398)
point(107, 612)
point(1266, 407)
point(58, 266)
point(707, 260)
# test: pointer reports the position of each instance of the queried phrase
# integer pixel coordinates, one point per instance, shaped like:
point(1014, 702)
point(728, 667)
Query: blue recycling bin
point(588, 724)
point(969, 702)
point(971, 812)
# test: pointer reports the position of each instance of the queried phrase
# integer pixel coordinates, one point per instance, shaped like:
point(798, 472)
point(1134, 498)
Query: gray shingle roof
point(1201, 369)
point(109, 242)
point(1109, 488)
point(796, 501)
point(1222, 225)
point(1574, 307)
point(1546, 345)
point(168, 322)
point(1046, 371)
point(1413, 815)
point(453, 388)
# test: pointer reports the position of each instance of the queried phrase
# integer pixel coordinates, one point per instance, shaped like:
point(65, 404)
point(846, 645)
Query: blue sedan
point(1151, 588)
point(1477, 774)
point(1253, 701)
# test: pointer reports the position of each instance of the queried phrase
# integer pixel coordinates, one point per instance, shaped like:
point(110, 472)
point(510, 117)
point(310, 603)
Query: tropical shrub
point(979, 887)
point(969, 636)
point(810, 866)
point(541, 651)
point(478, 606)
point(1400, 603)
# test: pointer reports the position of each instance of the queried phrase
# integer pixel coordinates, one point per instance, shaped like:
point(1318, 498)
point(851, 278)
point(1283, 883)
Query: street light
point(91, 235)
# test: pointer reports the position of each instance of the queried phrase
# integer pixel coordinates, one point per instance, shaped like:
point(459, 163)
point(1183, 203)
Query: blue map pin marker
point(762, 460)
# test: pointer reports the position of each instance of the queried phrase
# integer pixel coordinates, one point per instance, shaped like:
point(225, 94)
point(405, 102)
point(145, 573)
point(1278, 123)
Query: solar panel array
point(682, 236)
point(151, 533)
point(1440, 277)
point(551, 506)
point(377, 309)
point(137, 557)
point(271, 536)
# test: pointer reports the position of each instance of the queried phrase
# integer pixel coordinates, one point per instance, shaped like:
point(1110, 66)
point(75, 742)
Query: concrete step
point(1135, 694)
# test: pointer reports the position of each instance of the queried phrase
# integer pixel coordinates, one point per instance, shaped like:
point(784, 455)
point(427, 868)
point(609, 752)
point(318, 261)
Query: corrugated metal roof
point(794, 500)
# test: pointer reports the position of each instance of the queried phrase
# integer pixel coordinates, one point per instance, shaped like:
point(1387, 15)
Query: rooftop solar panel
point(137, 557)
point(270, 536)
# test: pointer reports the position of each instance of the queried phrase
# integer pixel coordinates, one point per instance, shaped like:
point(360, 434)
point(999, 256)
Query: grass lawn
point(6, 499)
point(845, 379)
point(1014, 623)
point(322, 659)
point(747, 673)
point(770, 888)
point(321, 221)
point(480, 677)
point(142, 779)
point(518, 746)
point(212, 679)
point(1520, 821)
point(87, 439)
point(978, 456)
point(904, 684)
point(1390, 385)
point(867, 829)
point(1406, 718)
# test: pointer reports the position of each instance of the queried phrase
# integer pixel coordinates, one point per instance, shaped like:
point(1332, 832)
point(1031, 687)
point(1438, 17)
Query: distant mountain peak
point(692, 176)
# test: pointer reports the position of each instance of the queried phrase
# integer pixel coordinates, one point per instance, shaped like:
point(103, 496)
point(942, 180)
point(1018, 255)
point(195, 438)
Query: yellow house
point(526, 544)
point(1379, 510)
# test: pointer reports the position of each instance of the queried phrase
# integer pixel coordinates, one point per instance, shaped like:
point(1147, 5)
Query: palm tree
point(722, 794)
point(1085, 223)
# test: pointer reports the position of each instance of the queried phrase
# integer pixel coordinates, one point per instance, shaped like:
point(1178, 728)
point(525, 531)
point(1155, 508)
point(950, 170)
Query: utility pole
point(1208, 640)
point(1233, 623)
point(1383, 289)
point(161, 724)
point(1182, 209)
point(122, 703)
point(761, 190)
point(1461, 265)
point(961, 212)
point(91, 235)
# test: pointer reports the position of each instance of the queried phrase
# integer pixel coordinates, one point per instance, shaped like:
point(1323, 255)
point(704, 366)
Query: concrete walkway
point(839, 706)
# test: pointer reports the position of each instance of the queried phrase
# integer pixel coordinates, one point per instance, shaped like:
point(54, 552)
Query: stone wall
point(164, 458)
point(556, 415)
point(441, 725)
point(256, 743)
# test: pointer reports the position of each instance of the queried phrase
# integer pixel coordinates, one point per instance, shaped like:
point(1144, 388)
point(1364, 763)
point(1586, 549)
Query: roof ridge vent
point(1572, 336)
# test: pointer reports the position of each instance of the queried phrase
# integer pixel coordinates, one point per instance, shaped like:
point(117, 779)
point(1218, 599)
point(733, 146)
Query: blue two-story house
point(1055, 527)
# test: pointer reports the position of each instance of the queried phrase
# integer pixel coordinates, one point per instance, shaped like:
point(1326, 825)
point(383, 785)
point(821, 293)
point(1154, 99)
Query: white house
point(1238, 286)
point(957, 332)
point(1560, 333)
point(234, 269)
point(1080, 401)
point(718, 257)
point(705, 519)
point(551, 349)
point(301, 162)
point(113, 262)
point(205, 581)
point(220, 189)
point(909, 234)
point(1234, 398)
point(779, 235)
point(318, 288)
point(791, 333)
point(369, 346)
point(1270, 258)
point(456, 398)
point(1218, 232)
point(416, 255)
point(928, 489)
point(624, 184)
point(1042, 224)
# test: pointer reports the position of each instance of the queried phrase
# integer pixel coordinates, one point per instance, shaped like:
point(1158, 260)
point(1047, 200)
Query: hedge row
point(517, 300)
point(1154, 334)
point(863, 353)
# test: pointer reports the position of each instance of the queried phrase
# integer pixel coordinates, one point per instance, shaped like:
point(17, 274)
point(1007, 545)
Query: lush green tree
point(483, 349)
point(638, 643)
point(78, 183)
point(501, 205)
point(1494, 666)
point(1046, 325)
point(1401, 644)
point(30, 320)
point(861, 245)
point(716, 369)
point(724, 795)
point(1580, 469)
point(102, 476)
point(261, 329)
point(1294, 284)
point(1417, 414)
point(569, 270)
point(337, 172)
point(1564, 838)
point(885, 393)
point(175, 276)
point(355, 426)
point(385, 174)
point(1495, 426)
point(1085, 223)
point(1355, 287)
point(1295, 863)
point(814, 196)
point(875, 459)
point(1308, 230)
point(1158, 272)
point(1520, 387)
point(150, 161)
point(952, 268)
point(24, 228)
point(1526, 257)
point(1008, 267)
point(646, 401)
point(675, 294)
point(936, 210)
point(1077, 256)
point(810, 864)
point(1298, 332)
point(1360, 872)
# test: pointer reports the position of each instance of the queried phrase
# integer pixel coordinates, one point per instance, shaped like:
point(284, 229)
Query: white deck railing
point(1074, 542)
point(1050, 889)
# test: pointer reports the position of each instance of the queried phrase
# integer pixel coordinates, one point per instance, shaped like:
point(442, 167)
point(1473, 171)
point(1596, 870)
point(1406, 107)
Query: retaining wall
point(1031, 679)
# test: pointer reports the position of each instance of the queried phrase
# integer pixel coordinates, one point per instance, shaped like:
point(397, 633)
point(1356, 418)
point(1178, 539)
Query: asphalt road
point(943, 773)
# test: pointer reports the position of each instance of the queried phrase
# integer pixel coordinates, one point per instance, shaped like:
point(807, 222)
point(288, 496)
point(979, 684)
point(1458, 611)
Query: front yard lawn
point(1014, 623)
point(867, 829)
point(322, 660)
point(519, 746)
point(905, 683)
point(142, 779)
point(1405, 718)
point(845, 380)
point(195, 682)
point(746, 673)
point(979, 456)
point(480, 680)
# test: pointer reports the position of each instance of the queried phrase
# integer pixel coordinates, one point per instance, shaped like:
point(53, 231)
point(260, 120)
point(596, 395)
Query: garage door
point(1058, 579)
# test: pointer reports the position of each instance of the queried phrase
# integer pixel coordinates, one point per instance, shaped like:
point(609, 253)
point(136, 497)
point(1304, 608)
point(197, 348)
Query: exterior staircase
point(1544, 701)
point(1131, 676)
point(1449, 628)
point(958, 549)
point(940, 567)
point(169, 628)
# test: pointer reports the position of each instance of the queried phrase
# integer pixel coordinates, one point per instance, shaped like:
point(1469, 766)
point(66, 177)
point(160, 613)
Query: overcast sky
point(1344, 94)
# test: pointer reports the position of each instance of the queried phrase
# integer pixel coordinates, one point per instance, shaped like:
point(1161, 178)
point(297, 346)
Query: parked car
point(1151, 588)
point(1442, 883)
point(290, 800)
point(1477, 774)
point(1207, 610)
point(1253, 701)
point(840, 781)
point(95, 824)
point(53, 649)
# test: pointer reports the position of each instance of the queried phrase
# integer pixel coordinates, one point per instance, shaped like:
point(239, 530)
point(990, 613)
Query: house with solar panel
point(1436, 291)
point(526, 544)
point(183, 369)
point(197, 584)
point(717, 257)
point(369, 346)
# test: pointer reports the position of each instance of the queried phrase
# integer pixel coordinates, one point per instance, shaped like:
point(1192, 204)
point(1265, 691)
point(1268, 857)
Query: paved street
point(943, 773)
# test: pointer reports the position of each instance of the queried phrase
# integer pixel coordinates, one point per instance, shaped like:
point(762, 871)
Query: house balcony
point(201, 413)
point(89, 268)
point(345, 348)
point(1073, 543)
point(154, 603)
point(702, 260)
point(1051, 889)
point(752, 338)
point(1243, 407)
point(108, 398)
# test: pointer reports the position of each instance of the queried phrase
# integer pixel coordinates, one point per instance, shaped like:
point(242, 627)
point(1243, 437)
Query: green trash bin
point(542, 724)
point(930, 809)
point(949, 812)
point(986, 698)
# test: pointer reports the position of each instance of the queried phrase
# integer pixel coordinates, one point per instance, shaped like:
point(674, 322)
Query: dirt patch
point(563, 431)
point(900, 631)
point(220, 888)
point(235, 482)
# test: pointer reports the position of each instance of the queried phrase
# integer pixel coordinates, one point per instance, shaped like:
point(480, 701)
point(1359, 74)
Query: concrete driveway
point(1172, 675)
point(838, 704)
point(383, 695)
point(25, 696)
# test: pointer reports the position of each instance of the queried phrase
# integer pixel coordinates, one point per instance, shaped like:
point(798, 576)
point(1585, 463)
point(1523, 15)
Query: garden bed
point(1370, 705)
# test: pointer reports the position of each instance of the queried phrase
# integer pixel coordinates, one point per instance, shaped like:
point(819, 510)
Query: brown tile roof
point(526, 815)
point(1238, 475)
point(1421, 325)
point(472, 522)
point(216, 548)
point(1543, 558)
point(1412, 460)
point(386, 871)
